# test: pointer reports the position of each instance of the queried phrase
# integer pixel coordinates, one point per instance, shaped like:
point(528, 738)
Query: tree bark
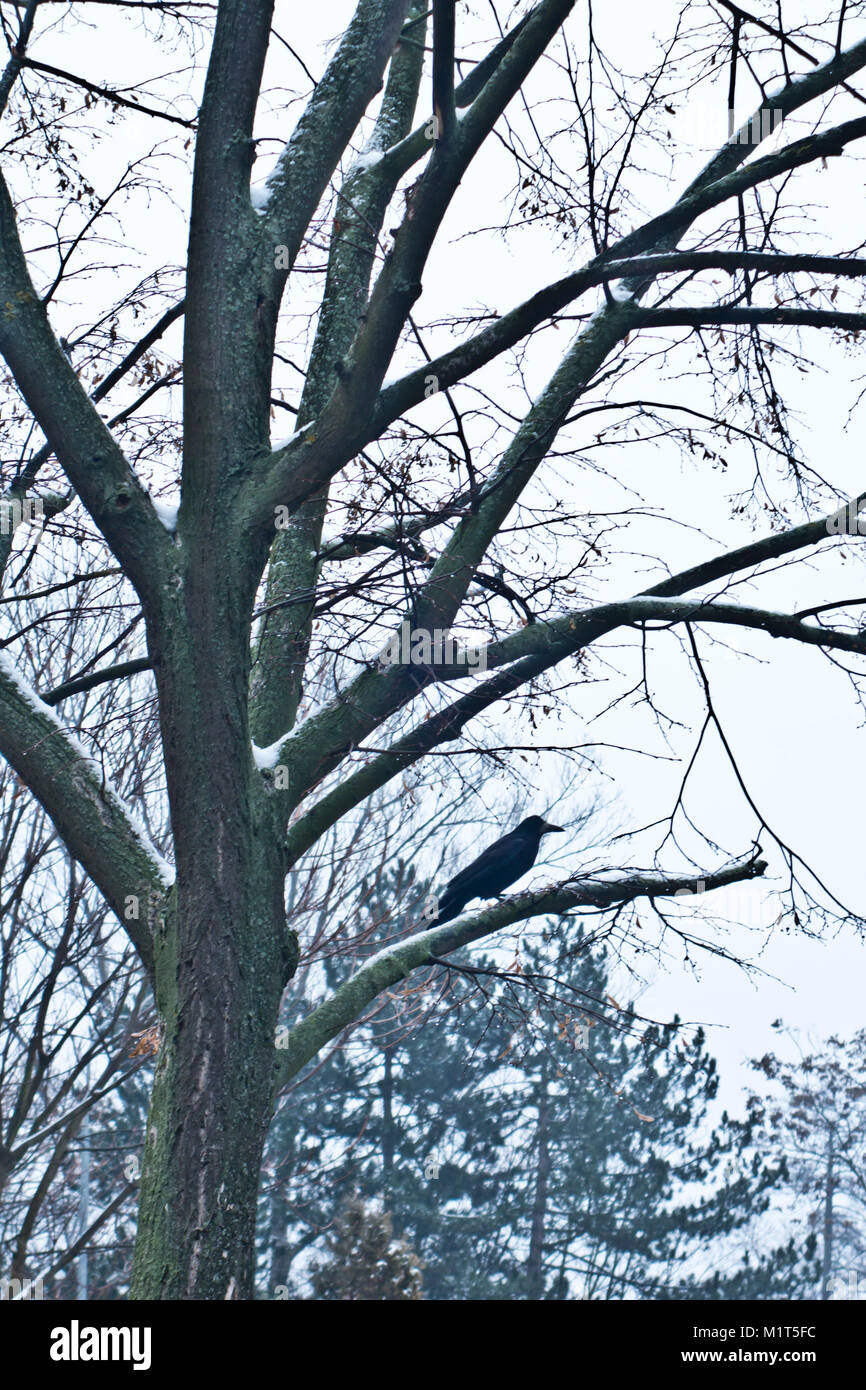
point(827, 1253)
point(220, 964)
point(535, 1262)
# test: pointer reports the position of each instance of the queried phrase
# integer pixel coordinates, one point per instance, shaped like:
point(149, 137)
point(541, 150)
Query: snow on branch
point(105, 835)
point(348, 1002)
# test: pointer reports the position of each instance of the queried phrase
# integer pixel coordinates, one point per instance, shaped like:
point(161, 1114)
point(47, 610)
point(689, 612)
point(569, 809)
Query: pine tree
point(525, 1154)
point(817, 1117)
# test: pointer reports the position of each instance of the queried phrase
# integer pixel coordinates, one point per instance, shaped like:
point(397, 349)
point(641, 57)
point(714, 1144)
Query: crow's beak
point(556, 829)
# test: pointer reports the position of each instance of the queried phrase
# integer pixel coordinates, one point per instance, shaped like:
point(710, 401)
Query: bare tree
point(816, 1116)
point(75, 1009)
point(411, 507)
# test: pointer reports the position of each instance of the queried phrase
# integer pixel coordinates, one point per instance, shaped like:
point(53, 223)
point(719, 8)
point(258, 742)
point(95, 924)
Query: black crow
point(496, 869)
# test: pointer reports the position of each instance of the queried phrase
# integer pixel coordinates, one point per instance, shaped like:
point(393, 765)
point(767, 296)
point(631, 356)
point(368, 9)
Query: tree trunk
point(827, 1261)
point(279, 1244)
point(208, 1119)
point(535, 1263)
point(387, 1124)
point(222, 958)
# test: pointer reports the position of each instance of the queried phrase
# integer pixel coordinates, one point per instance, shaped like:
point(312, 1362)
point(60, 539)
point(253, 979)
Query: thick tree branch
point(524, 660)
point(91, 819)
point(283, 641)
point(294, 472)
point(561, 638)
point(460, 362)
point(523, 657)
point(17, 54)
point(94, 678)
point(374, 696)
point(348, 1002)
point(402, 156)
point(226, 355)
point(314, 456)
point(753, 315)
point(365, 206)
point(73, 427)
point(351, 80)
point(443, 67)
point(325, 739)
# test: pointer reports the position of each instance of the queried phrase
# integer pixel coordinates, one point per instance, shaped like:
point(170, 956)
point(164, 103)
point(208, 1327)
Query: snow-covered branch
point(103, 834)
point(348, 1002)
